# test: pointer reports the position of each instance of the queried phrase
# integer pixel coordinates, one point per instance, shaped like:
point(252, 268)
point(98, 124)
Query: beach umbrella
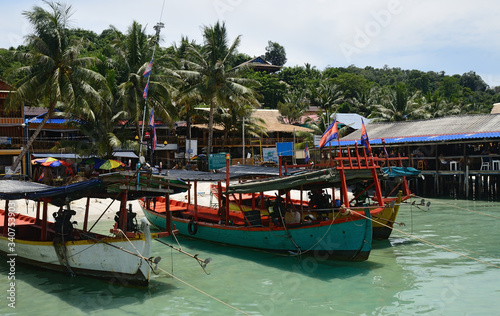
point(40, 161)
point(111, 164)
point(55, 163)
point(93, 161)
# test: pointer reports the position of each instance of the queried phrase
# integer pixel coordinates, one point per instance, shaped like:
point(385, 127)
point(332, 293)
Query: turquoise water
point(403, 276)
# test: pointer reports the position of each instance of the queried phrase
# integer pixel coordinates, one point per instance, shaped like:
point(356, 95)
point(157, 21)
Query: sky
point(454, 36)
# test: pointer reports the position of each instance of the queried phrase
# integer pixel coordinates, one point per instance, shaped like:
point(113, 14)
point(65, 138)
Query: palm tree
point(436, 106)
point(135, 52)
point(397, 104)
point(209, 70)
point(55, 72)
point(328, 95)
point(294, 106)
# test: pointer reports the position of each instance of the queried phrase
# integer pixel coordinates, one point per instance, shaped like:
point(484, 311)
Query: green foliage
point(275, 54)
point(188, 75)
point(293, 107)
point(272, 90)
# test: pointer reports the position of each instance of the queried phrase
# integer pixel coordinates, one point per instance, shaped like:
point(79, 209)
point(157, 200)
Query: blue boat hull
point(348, 240)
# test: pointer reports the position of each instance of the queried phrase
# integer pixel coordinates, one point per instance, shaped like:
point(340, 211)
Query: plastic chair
point(495, 165)
point(485, 163)
point(453, 165)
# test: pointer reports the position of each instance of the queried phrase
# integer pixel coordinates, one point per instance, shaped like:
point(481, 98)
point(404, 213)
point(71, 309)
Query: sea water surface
point(456, 271)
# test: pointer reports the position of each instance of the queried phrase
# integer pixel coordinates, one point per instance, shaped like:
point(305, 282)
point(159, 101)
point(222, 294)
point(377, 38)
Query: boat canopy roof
point(110, 185)
point(308, 180)
point(400, 172)
point(15, 190)
point(235, 172)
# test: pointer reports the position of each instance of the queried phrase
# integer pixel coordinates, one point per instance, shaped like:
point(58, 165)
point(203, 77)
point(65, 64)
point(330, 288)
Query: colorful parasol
point(94, 161)
point(40, 161)
point(111, 164)
point(50, 162)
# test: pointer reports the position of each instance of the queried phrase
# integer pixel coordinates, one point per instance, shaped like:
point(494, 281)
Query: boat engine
point(132, 225)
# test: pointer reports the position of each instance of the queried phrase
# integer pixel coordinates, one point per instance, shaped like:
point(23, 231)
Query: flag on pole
point(145, 94)
point(41, 176)
point(364, 137)
point(306, 153)
point(331, 133)
point(153, 129)
point(385, 150)
point(147, 72)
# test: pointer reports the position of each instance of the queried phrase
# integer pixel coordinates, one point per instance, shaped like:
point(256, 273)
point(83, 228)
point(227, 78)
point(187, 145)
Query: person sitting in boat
point(360, 193)
point(318, 200)
point(63, 225)
point(222, 211)
point(277, 211)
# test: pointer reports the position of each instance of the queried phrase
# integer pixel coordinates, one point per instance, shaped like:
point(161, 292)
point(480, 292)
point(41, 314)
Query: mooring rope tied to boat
point(319, 240)
point(149, 260)
point(203, 292)
point(201, 262)
point(465, 209)
point(431, 243)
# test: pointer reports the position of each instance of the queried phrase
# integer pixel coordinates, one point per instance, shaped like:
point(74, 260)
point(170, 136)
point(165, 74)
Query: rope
point(323, 237)
point(432, 244)
point(289, 235)
point(203, 292)
point(465, 209)
point(148, 260)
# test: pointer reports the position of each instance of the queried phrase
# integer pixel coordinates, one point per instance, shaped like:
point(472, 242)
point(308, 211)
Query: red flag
point(331, 133)
point(364, 137)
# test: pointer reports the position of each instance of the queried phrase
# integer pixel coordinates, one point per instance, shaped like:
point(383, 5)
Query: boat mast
point(157, 28)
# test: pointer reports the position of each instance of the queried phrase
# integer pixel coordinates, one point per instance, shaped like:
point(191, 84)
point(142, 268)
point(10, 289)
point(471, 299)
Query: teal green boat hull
point(346, 240)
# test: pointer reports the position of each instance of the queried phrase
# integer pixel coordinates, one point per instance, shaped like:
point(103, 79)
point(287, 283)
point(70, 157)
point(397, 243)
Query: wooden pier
point(460, 184)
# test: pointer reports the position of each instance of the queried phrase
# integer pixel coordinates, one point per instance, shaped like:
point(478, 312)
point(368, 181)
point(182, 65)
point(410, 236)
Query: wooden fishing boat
point(123, 256)
point(395, 180)
point(337, 231)
point(394, 187)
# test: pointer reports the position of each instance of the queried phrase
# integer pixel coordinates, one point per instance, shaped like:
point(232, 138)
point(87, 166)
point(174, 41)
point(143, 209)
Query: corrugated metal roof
point(432, 130)
point(50, 121)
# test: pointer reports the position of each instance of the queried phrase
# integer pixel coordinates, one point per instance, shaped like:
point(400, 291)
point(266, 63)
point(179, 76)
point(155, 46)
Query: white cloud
point(453, 36)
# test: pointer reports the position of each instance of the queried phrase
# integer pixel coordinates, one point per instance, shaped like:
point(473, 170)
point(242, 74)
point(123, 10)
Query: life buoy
point(192, 227)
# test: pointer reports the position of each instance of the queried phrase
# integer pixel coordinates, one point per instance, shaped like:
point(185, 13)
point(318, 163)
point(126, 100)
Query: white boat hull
point(111, 258)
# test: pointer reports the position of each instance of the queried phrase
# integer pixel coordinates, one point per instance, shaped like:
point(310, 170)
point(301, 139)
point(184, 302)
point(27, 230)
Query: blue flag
point(153, 129)
point(145, 94)
point(364, 137)
point(147, 72)
point(331, 133)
